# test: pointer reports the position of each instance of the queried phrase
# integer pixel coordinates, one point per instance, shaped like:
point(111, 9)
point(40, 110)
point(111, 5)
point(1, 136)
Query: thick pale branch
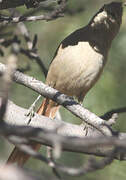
point(64, 100)
point(15, 115)
point(68, 134)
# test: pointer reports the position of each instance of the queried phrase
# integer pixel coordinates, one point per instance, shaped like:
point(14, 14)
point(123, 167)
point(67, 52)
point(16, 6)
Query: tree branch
point(58, 12)
point(72, 137)
point(62, 99)
point(5, 4)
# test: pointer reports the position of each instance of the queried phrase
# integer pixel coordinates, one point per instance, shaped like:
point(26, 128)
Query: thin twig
point(91, 166)
point(31, 52)
point(33, 55)
point(109, 114)
point(58, 12)
point(12, 4)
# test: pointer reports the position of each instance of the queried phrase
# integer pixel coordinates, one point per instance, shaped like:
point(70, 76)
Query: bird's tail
point(48, 108)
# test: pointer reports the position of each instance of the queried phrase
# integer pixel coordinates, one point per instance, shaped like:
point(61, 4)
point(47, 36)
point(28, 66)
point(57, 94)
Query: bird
point(78, 63)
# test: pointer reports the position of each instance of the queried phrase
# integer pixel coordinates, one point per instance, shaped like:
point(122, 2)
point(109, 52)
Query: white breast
point(76, 68)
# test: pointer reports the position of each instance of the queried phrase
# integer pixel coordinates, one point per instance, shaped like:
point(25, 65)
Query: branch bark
point(15, 115)
point(57, 12)
point(71, 136)
point(5, 4)
point(62, 99)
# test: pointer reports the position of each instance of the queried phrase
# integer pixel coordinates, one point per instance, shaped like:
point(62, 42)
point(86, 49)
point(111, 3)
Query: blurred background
point(108, 93)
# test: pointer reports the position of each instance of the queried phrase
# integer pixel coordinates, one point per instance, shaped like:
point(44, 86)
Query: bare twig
point(91, 166)
point(113, 119)
point(31, 50)
point(6, 43)
point(109, 114)
point(12, 4)
point(33, 55)
point(51, 162)
point(55, 152)
point(56, 13)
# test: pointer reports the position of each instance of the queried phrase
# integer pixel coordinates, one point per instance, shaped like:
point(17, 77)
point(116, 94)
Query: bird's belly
point(75, 69)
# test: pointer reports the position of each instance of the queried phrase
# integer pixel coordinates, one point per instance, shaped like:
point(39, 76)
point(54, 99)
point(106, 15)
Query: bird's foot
point(86, 127)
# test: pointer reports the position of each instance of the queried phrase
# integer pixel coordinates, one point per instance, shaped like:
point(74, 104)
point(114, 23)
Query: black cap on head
point(114, 7)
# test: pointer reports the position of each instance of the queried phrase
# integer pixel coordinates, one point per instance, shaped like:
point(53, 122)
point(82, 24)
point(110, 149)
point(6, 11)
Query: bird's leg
point(83, 124)
point(31, 112)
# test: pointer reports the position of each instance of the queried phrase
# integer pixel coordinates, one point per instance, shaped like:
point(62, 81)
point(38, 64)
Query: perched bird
point(79, 62)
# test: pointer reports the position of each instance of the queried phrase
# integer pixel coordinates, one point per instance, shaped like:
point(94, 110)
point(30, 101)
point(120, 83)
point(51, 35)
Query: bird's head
point(108, 18)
